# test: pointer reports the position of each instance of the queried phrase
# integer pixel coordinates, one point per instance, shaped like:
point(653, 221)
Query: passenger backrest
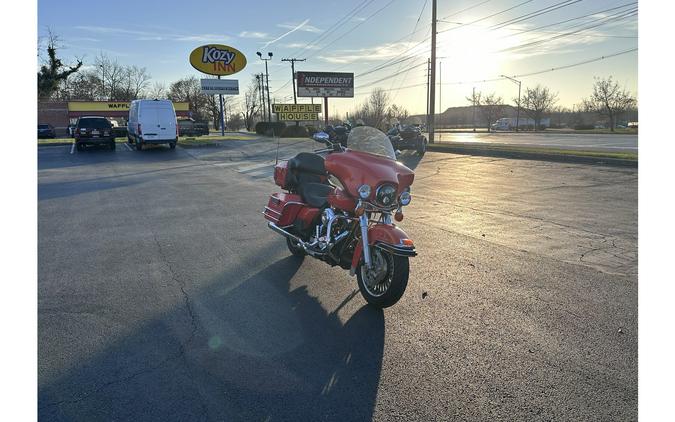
point(306, 168)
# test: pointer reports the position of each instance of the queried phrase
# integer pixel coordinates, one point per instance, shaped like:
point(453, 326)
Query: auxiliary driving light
point(364, 191)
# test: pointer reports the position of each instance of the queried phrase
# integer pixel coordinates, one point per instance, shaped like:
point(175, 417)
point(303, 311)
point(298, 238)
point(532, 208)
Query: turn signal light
point(398, 216)
point(407, 242)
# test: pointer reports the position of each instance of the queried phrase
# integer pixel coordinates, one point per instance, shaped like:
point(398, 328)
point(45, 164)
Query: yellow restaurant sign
point(297, 108)
point(217, 59)
point(114, 106)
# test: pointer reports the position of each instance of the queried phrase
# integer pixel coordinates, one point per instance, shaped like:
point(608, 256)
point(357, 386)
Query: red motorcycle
point(340, 208)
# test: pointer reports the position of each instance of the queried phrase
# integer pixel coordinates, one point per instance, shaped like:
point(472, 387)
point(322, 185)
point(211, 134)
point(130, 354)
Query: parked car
point(202, 128)
point(46, 131)
point(152, 122)
point(408, 137)
point(93, 130)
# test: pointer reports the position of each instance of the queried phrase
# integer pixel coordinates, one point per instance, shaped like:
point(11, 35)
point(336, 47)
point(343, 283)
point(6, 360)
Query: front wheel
point(421, 147)
point(384, 284)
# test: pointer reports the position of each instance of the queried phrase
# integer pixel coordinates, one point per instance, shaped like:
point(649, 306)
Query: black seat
point(315, 194)
point(307, 170)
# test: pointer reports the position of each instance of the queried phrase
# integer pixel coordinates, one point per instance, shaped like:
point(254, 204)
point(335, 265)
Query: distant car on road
point(152, 122)
point(46, 131)
point(93, 130)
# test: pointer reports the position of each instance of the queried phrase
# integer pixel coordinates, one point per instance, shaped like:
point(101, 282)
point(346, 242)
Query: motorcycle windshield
point(370, 140)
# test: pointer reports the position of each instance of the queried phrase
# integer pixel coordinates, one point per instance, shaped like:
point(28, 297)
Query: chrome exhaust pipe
point(306, 246)
point(284, 232)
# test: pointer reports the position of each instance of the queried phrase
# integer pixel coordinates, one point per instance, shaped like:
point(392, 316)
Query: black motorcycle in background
point(408, 137)
point(338, 134)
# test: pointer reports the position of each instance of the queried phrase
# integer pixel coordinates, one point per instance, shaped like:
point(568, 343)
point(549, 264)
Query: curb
point(530, 155)
point(55, 144)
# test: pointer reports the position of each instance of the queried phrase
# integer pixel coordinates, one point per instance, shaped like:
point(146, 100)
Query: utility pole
point(295, 97)
point(432, 82)
point(267, 82)
point(428, 70)
point(262, 95)
point(518, 111)
point(473, 100)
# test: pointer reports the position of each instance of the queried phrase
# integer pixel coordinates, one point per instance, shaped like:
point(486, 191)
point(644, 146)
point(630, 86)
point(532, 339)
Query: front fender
point(390, 237)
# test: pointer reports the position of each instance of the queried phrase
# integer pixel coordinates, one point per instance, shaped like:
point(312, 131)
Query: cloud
point(253, 34)
point(302, 27)
point(379, 52)
point(153, 36)
point(292, 30)
point(301, 45)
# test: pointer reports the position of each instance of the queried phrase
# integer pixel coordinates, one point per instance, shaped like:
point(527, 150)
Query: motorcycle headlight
point(386, 195)
point(364, 191)
point(405, 197)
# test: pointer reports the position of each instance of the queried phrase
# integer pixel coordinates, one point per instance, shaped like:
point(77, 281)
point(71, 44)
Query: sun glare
point(470, 53)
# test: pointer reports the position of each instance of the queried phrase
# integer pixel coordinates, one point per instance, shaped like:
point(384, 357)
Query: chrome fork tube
point(363, 221)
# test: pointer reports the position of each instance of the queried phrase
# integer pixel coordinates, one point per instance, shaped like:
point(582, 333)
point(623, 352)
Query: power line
point(334, 27)
point(353, 28)
point(604, 21)
point(523, 75)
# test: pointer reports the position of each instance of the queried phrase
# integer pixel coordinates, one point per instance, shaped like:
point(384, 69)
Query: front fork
point(363, 222)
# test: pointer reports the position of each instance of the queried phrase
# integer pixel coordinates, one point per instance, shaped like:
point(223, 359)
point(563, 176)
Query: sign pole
point(222, 119)
point(325, 110)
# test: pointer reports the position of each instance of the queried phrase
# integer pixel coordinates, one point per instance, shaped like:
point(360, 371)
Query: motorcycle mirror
point(321, 137)
point(397, 152)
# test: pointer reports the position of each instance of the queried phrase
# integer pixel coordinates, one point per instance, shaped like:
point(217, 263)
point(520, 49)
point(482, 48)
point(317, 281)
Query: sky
point(477, 42)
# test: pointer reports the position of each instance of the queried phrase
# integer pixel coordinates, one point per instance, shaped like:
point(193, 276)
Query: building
point(62, 113)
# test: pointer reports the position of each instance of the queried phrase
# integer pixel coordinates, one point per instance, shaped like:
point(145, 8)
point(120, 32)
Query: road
point(591, 142)
point(163, 296)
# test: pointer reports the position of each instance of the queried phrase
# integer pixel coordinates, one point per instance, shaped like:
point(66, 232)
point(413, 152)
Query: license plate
point(94, 132)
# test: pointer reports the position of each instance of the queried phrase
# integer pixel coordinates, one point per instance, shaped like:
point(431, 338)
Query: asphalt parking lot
point(163, 296)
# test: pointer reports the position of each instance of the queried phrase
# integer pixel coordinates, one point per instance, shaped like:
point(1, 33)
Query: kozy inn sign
point(217, 59)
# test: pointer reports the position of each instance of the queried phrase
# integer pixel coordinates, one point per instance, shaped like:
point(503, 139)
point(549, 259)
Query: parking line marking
point(128, 147)
point(72, 148)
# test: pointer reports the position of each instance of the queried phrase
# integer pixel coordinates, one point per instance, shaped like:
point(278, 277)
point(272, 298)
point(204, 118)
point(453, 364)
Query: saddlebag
point(283, 208)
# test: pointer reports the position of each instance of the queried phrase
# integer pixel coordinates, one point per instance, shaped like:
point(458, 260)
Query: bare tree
point(138, 81)
point(609, 99)
point(53, 72)
point(112, 77)
point(397, 112)
point(374, 110)
point(537, 102)
point(157, 90)
point(250, 106)
point(189, 89)
point(490, 107)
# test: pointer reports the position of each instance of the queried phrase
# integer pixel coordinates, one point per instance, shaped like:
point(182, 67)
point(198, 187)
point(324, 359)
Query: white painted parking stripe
point(72, 148)
point(261, 173)
point(128, 147)
point(254, 167)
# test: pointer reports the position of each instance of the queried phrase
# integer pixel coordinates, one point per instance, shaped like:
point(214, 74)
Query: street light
point(517, 112)
point(267, 79)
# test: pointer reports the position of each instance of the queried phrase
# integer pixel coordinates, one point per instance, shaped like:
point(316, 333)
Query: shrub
point(269, 128)
point(294, 132)
point(584, 127)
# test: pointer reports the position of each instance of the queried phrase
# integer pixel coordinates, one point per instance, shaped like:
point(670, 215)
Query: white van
point(152, 122)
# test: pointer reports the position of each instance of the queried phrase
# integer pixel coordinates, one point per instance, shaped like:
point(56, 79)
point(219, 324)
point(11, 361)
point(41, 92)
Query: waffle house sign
point(217, 59)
